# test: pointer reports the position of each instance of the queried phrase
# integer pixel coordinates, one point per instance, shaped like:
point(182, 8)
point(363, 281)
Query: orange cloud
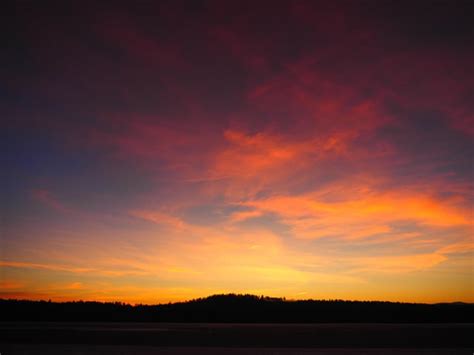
point(68, 268)
point(249, 163)
point(397, 263)
point(159, 218)
point(458, 247)
point(312, 216)
point(244, 215)
point(11, 284)
point(75, 286)
point(255, 155)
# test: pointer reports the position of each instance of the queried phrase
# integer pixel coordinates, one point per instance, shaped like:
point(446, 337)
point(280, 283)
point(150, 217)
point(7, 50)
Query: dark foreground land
point(240, 309)
point(236, 325)
point(49, 349)
point(254, 336)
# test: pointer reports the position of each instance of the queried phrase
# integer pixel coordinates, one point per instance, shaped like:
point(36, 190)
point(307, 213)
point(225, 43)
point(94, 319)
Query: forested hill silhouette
point(238, 309)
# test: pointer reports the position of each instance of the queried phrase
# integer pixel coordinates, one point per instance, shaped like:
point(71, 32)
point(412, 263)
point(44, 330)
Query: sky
point(158, 151)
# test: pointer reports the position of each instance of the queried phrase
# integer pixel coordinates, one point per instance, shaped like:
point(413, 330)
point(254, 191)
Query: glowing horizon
point(303, 150)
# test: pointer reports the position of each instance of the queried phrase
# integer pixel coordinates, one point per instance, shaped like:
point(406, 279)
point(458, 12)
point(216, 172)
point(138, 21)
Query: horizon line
point(264, 297)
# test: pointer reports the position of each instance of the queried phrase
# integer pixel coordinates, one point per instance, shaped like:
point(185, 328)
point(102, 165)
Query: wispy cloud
point(48, 199)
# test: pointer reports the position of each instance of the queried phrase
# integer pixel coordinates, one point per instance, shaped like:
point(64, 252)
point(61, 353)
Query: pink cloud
point(46, 197)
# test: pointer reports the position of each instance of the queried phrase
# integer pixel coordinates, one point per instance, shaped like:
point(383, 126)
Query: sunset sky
point(157, 151)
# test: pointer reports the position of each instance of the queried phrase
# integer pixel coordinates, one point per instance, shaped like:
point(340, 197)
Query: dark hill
point(239, 309)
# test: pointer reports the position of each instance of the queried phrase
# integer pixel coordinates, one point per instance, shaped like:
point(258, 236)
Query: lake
point(211, 338)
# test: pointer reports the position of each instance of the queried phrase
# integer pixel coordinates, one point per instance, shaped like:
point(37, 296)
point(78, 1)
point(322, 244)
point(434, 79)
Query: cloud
point(397, 263)
point(359, 215)
point(245, 215)
point(11, 285)
point(457, 248)
point(68, 268)
point(138, 44)
point(160, 218)
point(75, 286)
point(47, 198)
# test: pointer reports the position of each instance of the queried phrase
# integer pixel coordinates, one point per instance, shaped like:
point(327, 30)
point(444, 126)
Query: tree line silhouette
point(234, 308)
